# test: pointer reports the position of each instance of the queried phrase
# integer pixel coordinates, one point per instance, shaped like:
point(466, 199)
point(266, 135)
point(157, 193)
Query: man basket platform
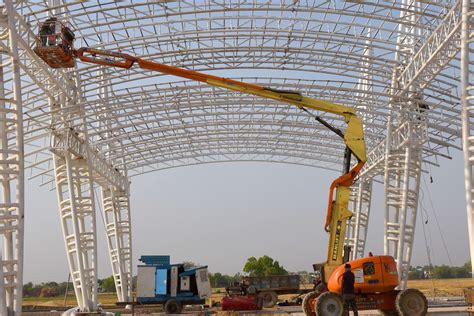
point(54, 43)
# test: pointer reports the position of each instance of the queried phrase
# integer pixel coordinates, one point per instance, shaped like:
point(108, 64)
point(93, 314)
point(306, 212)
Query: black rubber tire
point(251, 289)
point(309, 303)
point(321, 288)
point(269, 298)
point(411, 302)
point(329, 304)
point(173, 307)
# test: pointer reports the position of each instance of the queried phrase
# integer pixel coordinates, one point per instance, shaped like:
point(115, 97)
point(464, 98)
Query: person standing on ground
point(348, 296)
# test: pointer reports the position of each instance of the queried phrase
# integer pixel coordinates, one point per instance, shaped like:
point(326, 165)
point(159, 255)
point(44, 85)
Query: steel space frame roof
point(341, 51)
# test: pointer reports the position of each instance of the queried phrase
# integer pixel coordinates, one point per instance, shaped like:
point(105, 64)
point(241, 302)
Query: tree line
point(51, 289)
point(440, 272)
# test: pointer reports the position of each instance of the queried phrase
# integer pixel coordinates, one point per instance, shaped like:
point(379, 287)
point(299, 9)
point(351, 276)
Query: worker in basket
point(52, 33)
point(48, 32)
point(44, 32)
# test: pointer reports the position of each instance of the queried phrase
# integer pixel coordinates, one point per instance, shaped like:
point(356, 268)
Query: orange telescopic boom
point(337, 211)
point(353, 136)
point(376, 277)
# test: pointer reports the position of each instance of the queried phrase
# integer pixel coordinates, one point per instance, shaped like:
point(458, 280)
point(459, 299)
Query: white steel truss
point(75, 190)
point(116, 213)
point(402, 183)
point(77, 213)
point(437, 51)
point(403, 156)
point(361, 192)
point(11, 167)
point(133, 122)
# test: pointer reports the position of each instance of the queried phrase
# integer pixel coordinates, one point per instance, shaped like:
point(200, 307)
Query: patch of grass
point(441, 287)
point(58, 301)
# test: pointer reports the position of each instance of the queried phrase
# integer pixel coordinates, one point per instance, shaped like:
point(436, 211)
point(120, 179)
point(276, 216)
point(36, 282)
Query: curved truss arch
point(347, 52)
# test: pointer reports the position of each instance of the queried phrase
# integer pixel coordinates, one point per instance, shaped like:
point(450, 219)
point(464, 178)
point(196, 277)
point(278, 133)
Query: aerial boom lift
point(353, 136)
point(378, 276)
point(337, 211)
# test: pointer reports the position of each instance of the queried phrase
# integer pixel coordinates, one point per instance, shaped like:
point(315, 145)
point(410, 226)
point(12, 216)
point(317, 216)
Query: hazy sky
point(221, 214)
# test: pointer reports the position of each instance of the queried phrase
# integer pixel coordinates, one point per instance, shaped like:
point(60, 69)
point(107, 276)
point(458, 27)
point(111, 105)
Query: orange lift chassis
point(376, 276)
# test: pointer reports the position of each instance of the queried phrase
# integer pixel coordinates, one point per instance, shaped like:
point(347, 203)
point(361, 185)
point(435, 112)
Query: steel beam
point(68, 140)
point(467, 100)
point(436, 52)
point(420, 69)
point(401, 203)
point(74, 177)
point(402, 165)
point(74, 189)
point(116, 206)
point(11, 170)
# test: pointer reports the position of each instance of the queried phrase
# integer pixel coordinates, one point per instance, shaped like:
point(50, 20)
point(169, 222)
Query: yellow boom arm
point(338, 212)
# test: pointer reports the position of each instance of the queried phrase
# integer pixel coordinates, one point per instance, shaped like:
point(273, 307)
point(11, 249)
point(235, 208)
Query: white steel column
point(116, 209)
point(74, 185)
point(116, 212)
point(403, 153)
point(11, 172)
point(467, 99)
point(78, 222)
point(361, 192)
point(404, 167)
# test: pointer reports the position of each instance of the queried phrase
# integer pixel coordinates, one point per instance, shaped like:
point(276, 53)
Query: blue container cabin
point(159, 282)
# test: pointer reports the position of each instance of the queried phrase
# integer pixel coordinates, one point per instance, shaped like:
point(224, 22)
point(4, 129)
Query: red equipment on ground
point(249, 302)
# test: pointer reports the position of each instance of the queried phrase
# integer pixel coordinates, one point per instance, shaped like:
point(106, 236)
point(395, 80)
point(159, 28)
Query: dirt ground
point(441, 288)
point(431, 288)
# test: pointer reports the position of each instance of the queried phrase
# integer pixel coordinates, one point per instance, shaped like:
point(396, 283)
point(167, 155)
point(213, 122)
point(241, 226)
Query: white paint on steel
point(12, 170)
point(467, 98)
point(140, 122)
point(116, 214)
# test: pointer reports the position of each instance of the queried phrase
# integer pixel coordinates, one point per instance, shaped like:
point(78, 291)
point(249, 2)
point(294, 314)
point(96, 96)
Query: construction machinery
point(173, 285)
point(376, 276)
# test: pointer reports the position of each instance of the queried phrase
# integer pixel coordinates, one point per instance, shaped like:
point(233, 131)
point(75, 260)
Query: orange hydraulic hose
point(345, 180)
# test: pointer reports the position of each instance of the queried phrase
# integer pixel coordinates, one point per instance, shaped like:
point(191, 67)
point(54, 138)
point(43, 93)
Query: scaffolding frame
point(396, 62)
